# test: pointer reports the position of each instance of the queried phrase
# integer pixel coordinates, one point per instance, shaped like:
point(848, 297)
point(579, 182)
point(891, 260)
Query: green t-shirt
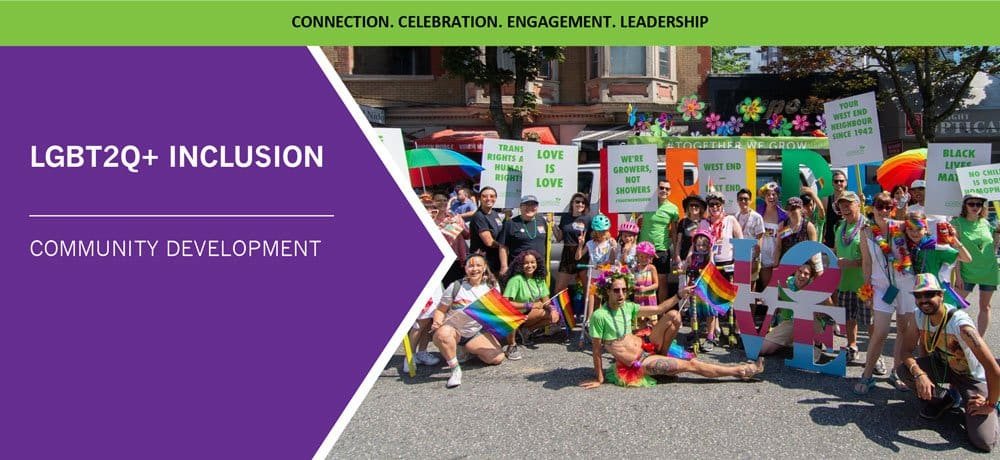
point(978, 239)
point(931, 260)
point(655, 226)
point(850, 278)
point(520, 289)
point(612, 325)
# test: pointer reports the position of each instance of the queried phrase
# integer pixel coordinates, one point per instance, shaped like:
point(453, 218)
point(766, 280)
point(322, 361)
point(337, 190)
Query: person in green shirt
point(528, 292)
point(847, 244)
point(979, 236)
point(611, 329)
point(657, 227)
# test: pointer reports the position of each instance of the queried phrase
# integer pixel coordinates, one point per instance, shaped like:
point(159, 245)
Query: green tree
point(725, 61)
point(930, 81)
point(479, 66)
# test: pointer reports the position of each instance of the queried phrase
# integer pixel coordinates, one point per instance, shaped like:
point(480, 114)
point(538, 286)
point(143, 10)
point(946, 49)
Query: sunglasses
point(883, 206)
point(715, 205)
point(925, 295)
point(839, 181)
point(665, 188)
point(743, 199)
point(974, 204)
point(578, 202)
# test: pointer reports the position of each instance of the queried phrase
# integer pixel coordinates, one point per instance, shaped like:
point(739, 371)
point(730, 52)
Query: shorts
point(781, 334)
point(662, 263)
point(856, 309)
point(462, 341)
point(982, 287)
point(903, 304)
point(568, 263)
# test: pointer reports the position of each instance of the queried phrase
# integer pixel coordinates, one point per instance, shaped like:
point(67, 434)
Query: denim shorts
point(982, 287)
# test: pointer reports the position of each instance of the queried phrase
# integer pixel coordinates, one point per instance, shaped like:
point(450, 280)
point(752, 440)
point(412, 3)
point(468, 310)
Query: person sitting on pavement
point(782, 333)
point(951, 351)
point(528, 292)
point(420, 333)
point(611, 329)
point(453, 328)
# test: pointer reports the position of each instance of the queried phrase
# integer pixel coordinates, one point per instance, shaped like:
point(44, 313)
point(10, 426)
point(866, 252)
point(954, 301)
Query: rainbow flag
point(715, 289)
point(677, 351)
point(952, 297)
point(561, 302)
point(496, 314)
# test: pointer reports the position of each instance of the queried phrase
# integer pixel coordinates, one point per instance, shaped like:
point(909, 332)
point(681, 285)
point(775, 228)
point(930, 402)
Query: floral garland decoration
point(609, 273)
point(901, 261)
point(866, 292)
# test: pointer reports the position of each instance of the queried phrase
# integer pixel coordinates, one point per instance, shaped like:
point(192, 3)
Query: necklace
point(614, 322)
point(848, 239)
point(930, 340)
point(527, 228)
point(901, 260)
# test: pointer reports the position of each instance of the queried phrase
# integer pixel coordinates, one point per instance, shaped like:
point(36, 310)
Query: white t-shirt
point(752, 223)
point(466, 326)
point(960, 357)
point(722, 247)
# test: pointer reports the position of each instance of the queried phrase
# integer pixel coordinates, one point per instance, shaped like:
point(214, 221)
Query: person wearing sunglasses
point(888, 267)
point(658, 227)
point(951, 352)
point(833, 218)
point(979, 236)
point(637, 361)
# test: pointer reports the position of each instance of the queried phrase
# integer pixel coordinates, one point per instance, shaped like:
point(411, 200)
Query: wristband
point(917, 376)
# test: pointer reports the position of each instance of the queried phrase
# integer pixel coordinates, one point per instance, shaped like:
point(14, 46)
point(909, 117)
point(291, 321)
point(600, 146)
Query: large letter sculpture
point(805, 303)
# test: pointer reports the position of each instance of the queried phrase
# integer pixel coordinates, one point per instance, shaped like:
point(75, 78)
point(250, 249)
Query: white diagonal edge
point(432, 229)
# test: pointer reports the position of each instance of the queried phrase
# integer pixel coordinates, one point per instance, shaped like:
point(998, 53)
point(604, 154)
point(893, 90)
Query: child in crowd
point(646, 280)
point(602, 249)
point(628, 232)
point(697, 259)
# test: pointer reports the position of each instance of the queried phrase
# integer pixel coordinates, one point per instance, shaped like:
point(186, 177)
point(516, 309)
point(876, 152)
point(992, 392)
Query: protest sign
point(632, 178)
point(944, 192)
point(503, 161)
point(792, 162)
point(550, 174)
point(983, 180)
point(726, 171)
point(852, 127)
point(393, 140)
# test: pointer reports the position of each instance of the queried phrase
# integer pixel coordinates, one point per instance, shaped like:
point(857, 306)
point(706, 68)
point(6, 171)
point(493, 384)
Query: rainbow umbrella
point(439, 166)
point(902, 169)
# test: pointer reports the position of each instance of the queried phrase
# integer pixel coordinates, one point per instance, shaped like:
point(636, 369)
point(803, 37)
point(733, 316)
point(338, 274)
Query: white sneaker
point(427, 359)
point(456, 378)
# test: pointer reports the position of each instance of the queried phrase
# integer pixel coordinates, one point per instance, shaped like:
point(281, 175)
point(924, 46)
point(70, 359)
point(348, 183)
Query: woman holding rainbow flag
point(635, 361)
point(454, 328)
point(528, 292)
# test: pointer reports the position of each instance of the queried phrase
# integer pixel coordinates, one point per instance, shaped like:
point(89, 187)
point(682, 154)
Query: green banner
point(552, 22)
point(733, 142)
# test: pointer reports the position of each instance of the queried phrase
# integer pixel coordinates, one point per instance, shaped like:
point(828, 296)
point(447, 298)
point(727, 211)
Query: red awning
point(472, 141)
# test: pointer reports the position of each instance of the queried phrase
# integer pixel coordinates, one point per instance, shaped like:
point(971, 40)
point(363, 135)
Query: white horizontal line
point(180, 216)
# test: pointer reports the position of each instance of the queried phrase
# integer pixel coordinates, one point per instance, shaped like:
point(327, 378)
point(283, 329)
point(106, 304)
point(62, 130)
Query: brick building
point(582, 99)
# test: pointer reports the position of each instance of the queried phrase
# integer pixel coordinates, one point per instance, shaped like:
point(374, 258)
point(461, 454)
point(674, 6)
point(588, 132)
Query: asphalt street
point(534, 408)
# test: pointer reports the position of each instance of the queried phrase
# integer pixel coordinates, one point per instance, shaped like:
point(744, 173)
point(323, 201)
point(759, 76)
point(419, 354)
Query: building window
point(628, 60)
point(665, 62)
point(506, 61)
point(397, 60)
point(594, 61)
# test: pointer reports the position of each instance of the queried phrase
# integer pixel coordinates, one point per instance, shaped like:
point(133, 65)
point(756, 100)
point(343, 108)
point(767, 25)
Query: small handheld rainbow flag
point(496, 314)
point(677, 351)
point(715, 289)
point(563, 305)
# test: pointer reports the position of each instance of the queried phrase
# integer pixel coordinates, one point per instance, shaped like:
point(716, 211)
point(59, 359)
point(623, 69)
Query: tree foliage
point(479, 65)
point(725, 61)
point(931, 82)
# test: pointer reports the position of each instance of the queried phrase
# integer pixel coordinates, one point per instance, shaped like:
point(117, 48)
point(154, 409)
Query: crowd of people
point(895, 261)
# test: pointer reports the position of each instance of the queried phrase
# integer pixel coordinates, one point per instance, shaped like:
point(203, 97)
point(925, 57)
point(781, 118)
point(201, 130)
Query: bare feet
point(751, 369)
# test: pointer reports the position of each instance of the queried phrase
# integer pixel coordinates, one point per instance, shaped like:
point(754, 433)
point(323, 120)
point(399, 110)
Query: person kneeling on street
point(952, 352)
point(611, 329)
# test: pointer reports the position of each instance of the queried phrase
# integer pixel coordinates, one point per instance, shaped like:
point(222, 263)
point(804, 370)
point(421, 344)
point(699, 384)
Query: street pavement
point(533, 408)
